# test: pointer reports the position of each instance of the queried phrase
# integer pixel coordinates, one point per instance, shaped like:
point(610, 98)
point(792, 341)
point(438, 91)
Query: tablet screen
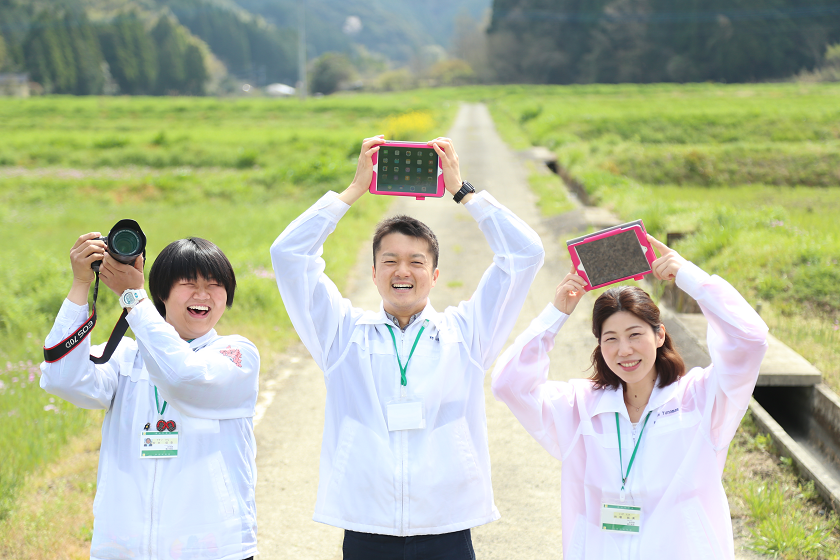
point(612, 258)
point(407, 170)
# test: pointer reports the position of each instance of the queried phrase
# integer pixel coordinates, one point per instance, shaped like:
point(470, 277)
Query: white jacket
point(426, 481)
point(200, 504)
point(676, 476)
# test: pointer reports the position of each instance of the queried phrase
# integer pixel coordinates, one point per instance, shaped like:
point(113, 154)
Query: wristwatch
point(130, 298)
point(466, 189)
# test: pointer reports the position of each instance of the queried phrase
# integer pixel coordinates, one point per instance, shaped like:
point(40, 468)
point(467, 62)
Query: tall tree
point(2, 52)
point(328, 72)
point(171, 48)
point(195, 71)
point(181, 65)
point(86, 56)
point(47, 52)
point(620, 48)
point(130, 53)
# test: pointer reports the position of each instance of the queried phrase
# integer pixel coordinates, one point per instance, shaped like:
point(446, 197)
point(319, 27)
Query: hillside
point(63, 44)
point(649, 41)
point(396, 29)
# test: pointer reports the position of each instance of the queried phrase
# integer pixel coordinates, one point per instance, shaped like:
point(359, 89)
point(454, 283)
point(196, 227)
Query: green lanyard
point(157, 404)
point(403, 380)
point(632, 457)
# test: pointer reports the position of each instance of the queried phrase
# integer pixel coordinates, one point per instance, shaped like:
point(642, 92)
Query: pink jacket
point(676, 476)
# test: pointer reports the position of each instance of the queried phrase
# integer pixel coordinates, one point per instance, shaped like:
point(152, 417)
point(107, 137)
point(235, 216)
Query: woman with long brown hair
point(642, 441)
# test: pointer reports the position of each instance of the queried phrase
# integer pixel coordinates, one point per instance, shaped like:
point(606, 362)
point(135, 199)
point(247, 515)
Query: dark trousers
point(449, 546)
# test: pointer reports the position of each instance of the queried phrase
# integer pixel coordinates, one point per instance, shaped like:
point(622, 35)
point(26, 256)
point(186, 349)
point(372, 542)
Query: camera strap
point(65, 346)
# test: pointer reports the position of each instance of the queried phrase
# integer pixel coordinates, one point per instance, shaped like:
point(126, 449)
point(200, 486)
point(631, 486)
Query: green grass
point(749, 172)
point(546, 185)
point(750, 175)
point(232, 171)
point(784, 517)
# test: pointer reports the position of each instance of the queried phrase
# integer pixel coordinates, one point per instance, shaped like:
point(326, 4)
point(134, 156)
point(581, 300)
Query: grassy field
point(750, 174)
point(233, 171)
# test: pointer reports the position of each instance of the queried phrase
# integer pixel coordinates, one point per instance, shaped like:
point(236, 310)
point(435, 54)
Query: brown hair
point(409, 226)
point(669, 364)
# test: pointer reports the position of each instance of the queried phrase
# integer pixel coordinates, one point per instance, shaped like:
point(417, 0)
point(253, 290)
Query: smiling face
point(628, 345)
point(403, 273)
point(195, 306)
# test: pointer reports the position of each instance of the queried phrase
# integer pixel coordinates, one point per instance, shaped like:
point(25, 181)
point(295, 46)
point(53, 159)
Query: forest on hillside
point(643, 41)
point(174, 48)
point(196, 47)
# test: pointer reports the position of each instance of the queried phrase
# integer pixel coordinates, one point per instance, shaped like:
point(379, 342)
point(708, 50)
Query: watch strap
point(465, 189)
point(131, 298)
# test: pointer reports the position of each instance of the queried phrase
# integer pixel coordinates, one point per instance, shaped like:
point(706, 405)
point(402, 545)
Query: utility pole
point(302, 49)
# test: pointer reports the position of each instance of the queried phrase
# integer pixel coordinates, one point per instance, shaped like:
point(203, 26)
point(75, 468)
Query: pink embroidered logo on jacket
point(234, 355)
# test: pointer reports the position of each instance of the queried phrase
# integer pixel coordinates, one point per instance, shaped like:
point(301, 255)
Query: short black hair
point(186, 259)
point(406, 225)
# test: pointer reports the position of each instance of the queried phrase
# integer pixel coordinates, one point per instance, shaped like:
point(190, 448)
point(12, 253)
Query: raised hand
point(449, 163)
point(364, 170)
point(87, 249)
point(121, 277)
point(668, 263)
point(569, 292)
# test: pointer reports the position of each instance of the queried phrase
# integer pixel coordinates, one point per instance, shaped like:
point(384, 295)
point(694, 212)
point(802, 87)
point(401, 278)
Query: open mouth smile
point(198, 310)
point(630, 366)
point(402, 286)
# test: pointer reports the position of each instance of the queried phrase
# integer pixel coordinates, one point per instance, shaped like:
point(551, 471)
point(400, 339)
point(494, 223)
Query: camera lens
point(125, 242)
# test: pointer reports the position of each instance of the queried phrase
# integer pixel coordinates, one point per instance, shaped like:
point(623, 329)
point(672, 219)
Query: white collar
point(612, 400)
point(380, 318)
point(202, 341)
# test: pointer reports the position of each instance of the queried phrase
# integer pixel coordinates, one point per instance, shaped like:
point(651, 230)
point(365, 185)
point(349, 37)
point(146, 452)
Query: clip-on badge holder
point(612, 255)
point(407, 169)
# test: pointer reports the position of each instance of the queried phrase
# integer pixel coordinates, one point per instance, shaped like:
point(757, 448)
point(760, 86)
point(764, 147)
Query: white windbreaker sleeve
point(74, 377)
point(546, 409)
point(318, 312)
point(737, 342)
point(489, 315)
point(219, 381)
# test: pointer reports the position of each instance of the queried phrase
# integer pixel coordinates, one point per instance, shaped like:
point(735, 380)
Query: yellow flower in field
point(415, 125)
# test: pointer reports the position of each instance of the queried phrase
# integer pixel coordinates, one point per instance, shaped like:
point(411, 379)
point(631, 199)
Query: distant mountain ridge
point(63, 43)
point(395, 28)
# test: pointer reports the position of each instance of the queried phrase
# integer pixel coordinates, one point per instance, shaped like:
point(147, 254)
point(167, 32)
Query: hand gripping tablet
point(407, 169)
point(612, 255)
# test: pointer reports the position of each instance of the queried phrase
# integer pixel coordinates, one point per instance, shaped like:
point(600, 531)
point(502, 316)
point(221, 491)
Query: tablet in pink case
point(612, 255)
point(407, 169)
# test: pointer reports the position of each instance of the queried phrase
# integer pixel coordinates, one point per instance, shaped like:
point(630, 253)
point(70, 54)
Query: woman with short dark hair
point(643, 443)
point(177, 468)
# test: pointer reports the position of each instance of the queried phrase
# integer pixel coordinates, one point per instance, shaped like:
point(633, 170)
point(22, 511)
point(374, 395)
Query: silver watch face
point(129, 298)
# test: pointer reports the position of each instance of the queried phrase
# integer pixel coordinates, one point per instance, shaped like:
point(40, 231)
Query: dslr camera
point(126, 241)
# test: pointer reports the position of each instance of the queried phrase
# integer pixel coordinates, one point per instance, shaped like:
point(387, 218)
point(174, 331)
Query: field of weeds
point(749, 176)
point(235, 172)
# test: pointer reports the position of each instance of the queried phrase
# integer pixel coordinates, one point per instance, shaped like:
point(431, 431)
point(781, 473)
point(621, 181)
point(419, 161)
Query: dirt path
point(526, 480)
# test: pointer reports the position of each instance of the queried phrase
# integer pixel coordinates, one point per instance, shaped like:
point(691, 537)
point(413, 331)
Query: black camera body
point(126, 241)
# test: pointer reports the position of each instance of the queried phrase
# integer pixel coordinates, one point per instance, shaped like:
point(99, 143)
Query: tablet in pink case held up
point(612, 255)
point(407, 169)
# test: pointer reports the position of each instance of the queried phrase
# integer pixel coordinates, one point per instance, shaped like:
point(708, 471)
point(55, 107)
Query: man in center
point(405, 466)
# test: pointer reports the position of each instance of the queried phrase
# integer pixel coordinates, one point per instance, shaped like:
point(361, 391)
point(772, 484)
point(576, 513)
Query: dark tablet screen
point(611, 258)
point(405, 170)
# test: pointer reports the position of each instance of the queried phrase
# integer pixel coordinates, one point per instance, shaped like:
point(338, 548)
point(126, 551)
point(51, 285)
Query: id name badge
point(621, 518)
point(158, 445)
point(405, 414)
